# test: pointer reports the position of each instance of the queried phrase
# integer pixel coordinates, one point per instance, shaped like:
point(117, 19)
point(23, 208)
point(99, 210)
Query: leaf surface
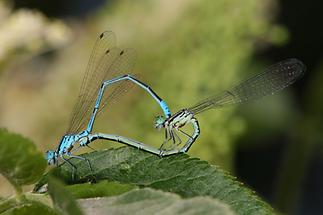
point(103, 188)
point(149, 201)
point(11, 206)
point(188, 177)
point(63, 200)
point(20, 162)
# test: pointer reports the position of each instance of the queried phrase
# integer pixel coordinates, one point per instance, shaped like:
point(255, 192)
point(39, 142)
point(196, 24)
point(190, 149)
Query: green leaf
point(103, 188)
point(63, 200)
point(20, 162)
point(188, 177)
point(12, 206)
point(6, 204)
point(149, 201)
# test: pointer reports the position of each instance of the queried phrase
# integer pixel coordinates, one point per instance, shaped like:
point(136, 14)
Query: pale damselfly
point(270, 81)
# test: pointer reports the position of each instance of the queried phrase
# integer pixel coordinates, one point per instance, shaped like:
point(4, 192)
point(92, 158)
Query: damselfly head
point(50, 157)
point(159, 122)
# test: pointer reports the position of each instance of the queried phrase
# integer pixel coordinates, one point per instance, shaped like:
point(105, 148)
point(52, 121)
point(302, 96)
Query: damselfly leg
point(175, 135)
point(90, 147)
point(71, 165)
point(171, 142)
point(186, 134)
point(83, 159)
point(74, 168)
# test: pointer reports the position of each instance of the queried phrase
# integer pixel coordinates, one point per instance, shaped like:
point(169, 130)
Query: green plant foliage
point(148, 201)
point(63, 200)
point(103, 188)
point(188, 177)
point(11, 206)
point(6, 204)
point(20, 162)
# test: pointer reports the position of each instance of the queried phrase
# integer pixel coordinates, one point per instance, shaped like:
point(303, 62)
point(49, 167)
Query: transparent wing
point(118, 89)
point(272, 80)
point(106, 62)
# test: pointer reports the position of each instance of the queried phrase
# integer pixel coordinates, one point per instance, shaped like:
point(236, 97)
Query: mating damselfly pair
point(108, 65)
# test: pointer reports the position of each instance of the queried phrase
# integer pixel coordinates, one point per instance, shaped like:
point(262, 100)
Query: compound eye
point(159, 120)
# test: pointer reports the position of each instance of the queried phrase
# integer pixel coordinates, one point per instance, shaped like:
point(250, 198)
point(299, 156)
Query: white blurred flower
point(29, 31)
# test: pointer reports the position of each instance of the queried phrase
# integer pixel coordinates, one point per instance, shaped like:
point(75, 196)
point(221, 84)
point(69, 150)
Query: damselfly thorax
point(179, 119)
point(173, 126)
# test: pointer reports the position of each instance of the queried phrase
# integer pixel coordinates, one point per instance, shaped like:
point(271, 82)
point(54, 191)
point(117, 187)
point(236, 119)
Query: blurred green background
point(187, 51)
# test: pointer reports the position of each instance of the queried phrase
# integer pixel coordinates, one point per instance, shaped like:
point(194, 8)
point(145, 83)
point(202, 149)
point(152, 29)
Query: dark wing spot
point(101, 35)
point(121, 53)
point(107, 51)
